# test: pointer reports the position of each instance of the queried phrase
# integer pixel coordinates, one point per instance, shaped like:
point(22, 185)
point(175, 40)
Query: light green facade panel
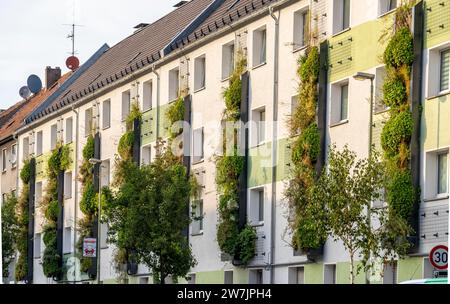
point(148, 129)
point(314, 274)
point(240, 276)
point(410, 269)
point(210, 277)
point(435, 123)
point(343, 274)
point(437, 22)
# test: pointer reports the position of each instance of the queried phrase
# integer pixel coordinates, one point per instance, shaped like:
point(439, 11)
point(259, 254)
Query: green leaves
point(401, 195)
point(25, 173)
point(394, 92)
point(125, 148)
point(400, 49)
point(10, 232)
point(397, 130)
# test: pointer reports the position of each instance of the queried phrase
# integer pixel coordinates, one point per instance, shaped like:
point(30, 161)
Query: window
point(300, 29)
point(256, 276)
point(69, 130)
point(386, 6)
point(39, 143)
point(227, 60)
point(200, 73)
point(197, 226)
point(126, 103)
point(38, 193)
point(105, 173)
point(53, 136)
point(228, 277)
point(143, 281)
point(67, 243)
point(344, 102)
point(88, 121)
point(259, 118)
point(104, 236)
point(256, 211)
point(174, 84)
point(445, 71)
point(390, 273)
point(198, 145)
point(146, 155)
point(191, 279)
point(297, 275)
point(26, 147)
point(4, 159)
point(341, 16)
point(442, 173)
point(67, 185)
point(339, 103)
point(37, 246)
point(380, 77)
point(106, 121)
point(147, 95)
point(330, 274)
point(13, 156)
point(259, 46)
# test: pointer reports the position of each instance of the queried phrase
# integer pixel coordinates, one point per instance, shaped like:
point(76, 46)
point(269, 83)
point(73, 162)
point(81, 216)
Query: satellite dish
point(72, 63)
point(34, 84)
point(24, 92)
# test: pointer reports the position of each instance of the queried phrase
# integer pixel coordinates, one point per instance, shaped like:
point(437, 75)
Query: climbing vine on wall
point(396, 136)
point(58, 161)
point(306, 219)
point(229, 167)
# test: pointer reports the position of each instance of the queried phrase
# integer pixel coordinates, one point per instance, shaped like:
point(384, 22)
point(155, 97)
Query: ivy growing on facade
point(229, 167)
point(58, 161)
point(307, 219)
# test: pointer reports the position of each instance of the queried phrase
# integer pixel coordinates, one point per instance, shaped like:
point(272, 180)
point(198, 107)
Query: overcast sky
point(32, 34)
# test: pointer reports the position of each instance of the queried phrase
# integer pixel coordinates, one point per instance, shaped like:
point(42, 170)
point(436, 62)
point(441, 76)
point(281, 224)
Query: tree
point(9, 232)
point(148, 214)
point(348, 187)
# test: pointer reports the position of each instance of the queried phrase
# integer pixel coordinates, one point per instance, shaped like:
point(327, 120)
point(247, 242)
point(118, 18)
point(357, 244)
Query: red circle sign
point(439, 257)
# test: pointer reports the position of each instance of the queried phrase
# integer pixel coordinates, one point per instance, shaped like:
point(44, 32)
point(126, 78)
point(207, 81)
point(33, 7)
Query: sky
point(33, 35)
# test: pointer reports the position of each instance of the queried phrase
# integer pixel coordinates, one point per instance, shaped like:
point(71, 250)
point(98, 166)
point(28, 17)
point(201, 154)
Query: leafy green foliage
point(401, 194)
point(246, 243)
point(394, 92)
point(25, 173)
point(125, 148)
point(307, 147)
point(10, 231)
point(174, 115)
point(397, 129)
point(400, 49)
point(21, 267)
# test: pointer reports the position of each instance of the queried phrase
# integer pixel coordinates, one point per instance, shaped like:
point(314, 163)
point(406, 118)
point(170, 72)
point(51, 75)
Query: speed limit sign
point(439, 257)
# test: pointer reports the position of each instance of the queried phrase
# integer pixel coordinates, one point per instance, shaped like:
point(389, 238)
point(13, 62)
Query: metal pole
point(99, 225)
point(369, 223)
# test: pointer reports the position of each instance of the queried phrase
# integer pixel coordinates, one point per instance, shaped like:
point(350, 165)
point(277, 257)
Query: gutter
point(172, 56)
point(75, 175)
point(274, 142)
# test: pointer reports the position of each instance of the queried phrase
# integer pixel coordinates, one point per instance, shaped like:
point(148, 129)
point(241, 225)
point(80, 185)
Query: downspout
point(158, 93)
point(17, 162)
point(76, 192)
point(274, 143)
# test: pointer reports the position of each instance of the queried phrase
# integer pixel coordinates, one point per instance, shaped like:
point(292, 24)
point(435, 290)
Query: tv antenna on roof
point(72, 34)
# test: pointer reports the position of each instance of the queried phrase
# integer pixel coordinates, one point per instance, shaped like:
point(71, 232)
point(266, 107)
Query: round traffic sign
point(439, 257)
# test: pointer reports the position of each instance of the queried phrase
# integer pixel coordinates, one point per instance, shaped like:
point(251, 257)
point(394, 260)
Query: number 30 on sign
point(439, 257)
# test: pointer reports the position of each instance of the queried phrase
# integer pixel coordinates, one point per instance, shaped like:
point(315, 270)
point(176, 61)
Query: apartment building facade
point(197, 57)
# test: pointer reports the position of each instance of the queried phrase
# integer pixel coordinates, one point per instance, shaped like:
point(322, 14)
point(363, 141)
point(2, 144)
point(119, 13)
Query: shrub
point(400, 49)
point(88, 150)
point(394, 92)
point(396, 131)
point(52, 211)
point(401, 194)
point(51, 262)
point(227, 236)
point(309, 66)
point(125, 148)
point(25, 173)
point(88, 203)
point(247, 244)
point(307, 147)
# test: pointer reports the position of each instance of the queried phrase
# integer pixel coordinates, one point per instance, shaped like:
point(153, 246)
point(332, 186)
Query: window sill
point(341, 32)
point(343, 122)
point(436, 199)
point(198, 162)
point(259, 65)
point(299, 49)
point(382, 111)
point(106, 128)
point(200, 89)
point(261, 144)
point(387, 13)
point(67, 198)
point(440, 94)
point(226, 79)
point(256, 225)
point(104, 247)
point(173, 100)
point(197, 234)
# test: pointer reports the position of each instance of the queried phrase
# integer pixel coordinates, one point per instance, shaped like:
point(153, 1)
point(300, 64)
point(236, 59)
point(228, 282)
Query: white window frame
point(228, 59)
point(67, 243)
point(329, 274)
point(39, 143)
point(336, 103)
point(106, 114)
point(431, 184)
point(385, 7)
point(198, 225)
point(260, 126)
point(105, 167)
point(174, 84)
point(438, 171)
point(53, 136)
point(69, 130)
point(200, 73)
point(259, 47)
point(441, 57)
point(68, 176)
point(26, 147)
point(301, 29)
point(88, 122)
point(196, 157)
point(126, 104)
point(339, 16)
point(254, 208)
point(37, 245)
point(13, 156)
point(146, 155)
point(147, 96)
point(4, 160)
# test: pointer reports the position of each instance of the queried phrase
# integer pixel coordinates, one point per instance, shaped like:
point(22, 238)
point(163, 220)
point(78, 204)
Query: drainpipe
point(158, 93)
point(17, 162)
point(274, 143)
point(76, 191)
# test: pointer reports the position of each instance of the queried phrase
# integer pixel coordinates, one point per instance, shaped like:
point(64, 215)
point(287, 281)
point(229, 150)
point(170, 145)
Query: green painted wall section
point(148, 130)
point(314, 274)
point(410, 269)
point(210, 277)
point(435, 123)
point(437, 22)
point(343, 274)
point(240, 276)
point(358, 49)
point(260, 163)
point(41, 166)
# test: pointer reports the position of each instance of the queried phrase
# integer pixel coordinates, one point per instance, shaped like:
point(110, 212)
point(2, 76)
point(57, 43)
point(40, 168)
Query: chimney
point(51, 76)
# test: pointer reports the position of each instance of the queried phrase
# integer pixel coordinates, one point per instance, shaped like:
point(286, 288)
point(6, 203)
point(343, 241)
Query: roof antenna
point(72, 34)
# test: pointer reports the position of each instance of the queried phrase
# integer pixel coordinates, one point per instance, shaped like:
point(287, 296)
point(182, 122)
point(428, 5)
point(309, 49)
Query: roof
point(141, 49)
point(13, 118)
point(226, 14)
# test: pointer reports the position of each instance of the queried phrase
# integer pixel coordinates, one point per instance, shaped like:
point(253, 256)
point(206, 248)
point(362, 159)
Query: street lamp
point(94, 161)
point(361, 76)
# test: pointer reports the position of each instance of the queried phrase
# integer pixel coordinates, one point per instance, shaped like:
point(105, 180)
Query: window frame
point(303, 16)
point(199, 65)
point(147, 95)
point(341, 103)
point(88, 123)
point(69, 122)
point(441, 67)
point(53, 136)
point(39, 143)
point(125, 98)
point(438, 173)
point(13, 157)
point(174, 94)
point(230, 62)
point(107, 125)
point(197, 158)
point(4, 160)
point(260, 38)
point(68, 185)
